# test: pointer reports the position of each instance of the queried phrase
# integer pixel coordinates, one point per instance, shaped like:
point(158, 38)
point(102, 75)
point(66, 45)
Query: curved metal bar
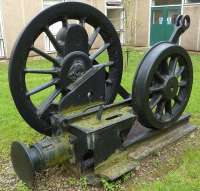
point(182, 24)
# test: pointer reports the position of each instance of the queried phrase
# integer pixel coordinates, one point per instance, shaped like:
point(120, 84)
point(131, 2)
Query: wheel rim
point(40, 24)
point(168, 89)
point(162, 86)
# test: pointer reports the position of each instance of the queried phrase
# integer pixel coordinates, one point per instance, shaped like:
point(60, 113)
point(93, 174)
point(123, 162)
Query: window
point(113, 2)
point(166, 2)
point(192, 1)
point(172, 16)
point(116, 15)
point(48, 3)
point(157, 17)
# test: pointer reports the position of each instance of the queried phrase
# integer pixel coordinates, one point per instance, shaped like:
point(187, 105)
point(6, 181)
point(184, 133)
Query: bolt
point(90, 94)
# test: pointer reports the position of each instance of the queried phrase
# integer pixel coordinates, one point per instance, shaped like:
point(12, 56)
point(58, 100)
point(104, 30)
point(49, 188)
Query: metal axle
point(47, 153)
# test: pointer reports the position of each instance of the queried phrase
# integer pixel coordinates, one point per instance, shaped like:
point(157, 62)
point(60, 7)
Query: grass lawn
point(185, 177)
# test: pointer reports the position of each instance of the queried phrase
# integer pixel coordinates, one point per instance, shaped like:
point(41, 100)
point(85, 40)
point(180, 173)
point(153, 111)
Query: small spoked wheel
point(162, 86)
point(80, 26)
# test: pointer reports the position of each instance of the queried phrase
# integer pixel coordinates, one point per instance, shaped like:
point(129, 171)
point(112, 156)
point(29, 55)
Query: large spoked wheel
point(162, 85)
point(71, 42)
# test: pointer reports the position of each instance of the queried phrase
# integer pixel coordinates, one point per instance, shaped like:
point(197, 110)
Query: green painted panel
point(162, 22)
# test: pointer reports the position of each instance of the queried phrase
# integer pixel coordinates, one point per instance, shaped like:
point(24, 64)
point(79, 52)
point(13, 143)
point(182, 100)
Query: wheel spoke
point(111, 63)
point(53, 40)
point(156, 89)
point(93, 37)
point(180, 71)
point(164, 67)
point(42, 87)
point(45, 106)
point(182, 84)
point(160, 76)
point(99, 51)
point(178, 99)
point(172, 65)
point(155, 100)
point(168, 106)
point(160, 109)
point(64, 22)
point(41, 71)
point(45, 55)
point(82, 22)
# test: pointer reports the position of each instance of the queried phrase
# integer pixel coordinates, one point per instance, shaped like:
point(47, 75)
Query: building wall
point(15, 15)
point(137, 22)
point(130, 15)
point(99, 4)
point(142, 22)
point(191, 38)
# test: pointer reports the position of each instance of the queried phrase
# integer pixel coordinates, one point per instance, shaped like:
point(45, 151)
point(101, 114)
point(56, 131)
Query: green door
point(162, 22)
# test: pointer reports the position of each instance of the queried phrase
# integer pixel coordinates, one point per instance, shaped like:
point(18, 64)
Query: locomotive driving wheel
point(73, 59)
point(162, 85)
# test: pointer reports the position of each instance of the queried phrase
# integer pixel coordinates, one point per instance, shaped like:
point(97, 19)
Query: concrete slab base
point(141, 143)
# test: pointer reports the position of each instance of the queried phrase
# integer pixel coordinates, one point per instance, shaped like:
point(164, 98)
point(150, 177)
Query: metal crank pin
point(182, 24)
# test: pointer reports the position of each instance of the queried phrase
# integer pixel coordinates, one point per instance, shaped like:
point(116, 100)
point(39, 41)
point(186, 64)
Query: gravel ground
point(8, 179)
point(57, 179)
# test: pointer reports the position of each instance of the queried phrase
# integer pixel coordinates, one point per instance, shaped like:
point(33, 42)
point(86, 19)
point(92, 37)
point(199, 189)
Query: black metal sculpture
point(161, 90)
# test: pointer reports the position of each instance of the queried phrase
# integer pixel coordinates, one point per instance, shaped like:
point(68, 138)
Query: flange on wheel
point(162, 85)
point(72, 61)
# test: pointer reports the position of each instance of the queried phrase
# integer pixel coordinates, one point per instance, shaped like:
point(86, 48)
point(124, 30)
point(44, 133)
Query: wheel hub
point(75, 65)
point(171, 87)
point(77, 70)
